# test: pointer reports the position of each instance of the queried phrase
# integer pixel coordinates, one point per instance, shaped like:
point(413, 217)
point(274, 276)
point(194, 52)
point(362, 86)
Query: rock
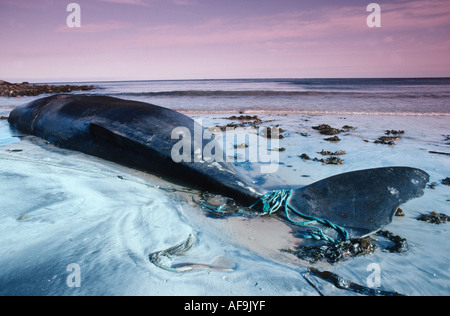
point(272, 132)
point(394, 132)
point(327, 129)
point(334, 161)
point(244, 117)
point(400, 244)
point(387, 140)
point(399, 212)
point(333, 139)
point(434, 218)
point(446, 181)
point(330, 153)
point(8, 89)
point(305, 157)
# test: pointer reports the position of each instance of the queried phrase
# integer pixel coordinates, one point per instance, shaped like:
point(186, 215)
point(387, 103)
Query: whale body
point(140, 135)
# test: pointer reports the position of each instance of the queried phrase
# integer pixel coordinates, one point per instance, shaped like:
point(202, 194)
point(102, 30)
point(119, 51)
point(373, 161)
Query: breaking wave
point(268, 93)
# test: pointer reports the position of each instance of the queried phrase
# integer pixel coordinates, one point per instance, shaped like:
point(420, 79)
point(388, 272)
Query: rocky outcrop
point(8, 89)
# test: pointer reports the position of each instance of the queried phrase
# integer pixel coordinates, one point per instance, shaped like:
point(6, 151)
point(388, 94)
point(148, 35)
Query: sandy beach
point(62, 207)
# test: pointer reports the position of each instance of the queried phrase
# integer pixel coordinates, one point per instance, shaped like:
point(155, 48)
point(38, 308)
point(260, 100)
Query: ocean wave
point(312, 112)
point(276, 93)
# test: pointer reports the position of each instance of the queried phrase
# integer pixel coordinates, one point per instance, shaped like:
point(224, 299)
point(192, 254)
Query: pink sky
point(198, 39)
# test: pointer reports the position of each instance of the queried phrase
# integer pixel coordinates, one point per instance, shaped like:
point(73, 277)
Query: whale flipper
point(362, 201)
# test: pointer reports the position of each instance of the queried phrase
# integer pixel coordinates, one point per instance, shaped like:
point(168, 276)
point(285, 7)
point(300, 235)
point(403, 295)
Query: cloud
point(131, 2)
point(96, 27)
point(149, 2)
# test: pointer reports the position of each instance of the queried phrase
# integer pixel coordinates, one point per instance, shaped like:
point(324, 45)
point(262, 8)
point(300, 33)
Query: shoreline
point(8, 89)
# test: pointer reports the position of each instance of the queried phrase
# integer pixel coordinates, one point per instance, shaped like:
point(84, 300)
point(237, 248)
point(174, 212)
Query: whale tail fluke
point(353, 204)
point(359, 202)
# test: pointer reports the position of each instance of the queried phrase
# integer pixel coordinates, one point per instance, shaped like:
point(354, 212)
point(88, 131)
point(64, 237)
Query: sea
point(71, 224)
point(411, 96)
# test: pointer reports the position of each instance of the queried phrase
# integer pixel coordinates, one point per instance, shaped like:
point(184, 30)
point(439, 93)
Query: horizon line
point(56, 81)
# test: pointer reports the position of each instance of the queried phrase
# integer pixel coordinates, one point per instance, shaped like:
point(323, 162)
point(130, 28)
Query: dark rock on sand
point(8, 89)
point(387, 140)
point(348, 128)
point(244, 118)
point(355, 247)
point(334, 161)
point(329, 161)
point(330, 153)
point(447, 139)
point(325, 129)
point(274, 132)
point(304, 157)
point(434, 218)
point(244, 121)
point(446, 181)
point(400, 244)
point(390, 140)
point(394, 132)
point(333, 139)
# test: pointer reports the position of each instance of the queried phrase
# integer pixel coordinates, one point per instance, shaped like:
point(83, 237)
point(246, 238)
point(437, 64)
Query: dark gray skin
point(134, 134)
point(139, 135)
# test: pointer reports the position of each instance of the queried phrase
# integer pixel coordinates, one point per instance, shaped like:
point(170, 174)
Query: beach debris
point(333, 160)
point(355, 247)
point(447, 139)
point(241, 146)
point(326, 129)
point(439, 153)
point(400, 244)
point(163, 259)
point(391, 138)
point(345, 284)
point(432, 185)
point(250, 121)
point(387, 140)
point(333, 139)
point(245, 118)
point(3, 117)
point(434, 218)
point(304, 156)
point(333, 253)
point(394, 132)
point(282, 149)
point(244, 121)
point(8, 89)
point(274, 132)
point(14, 150)
point(399, 212)
point(330, 153)
point(446, 181)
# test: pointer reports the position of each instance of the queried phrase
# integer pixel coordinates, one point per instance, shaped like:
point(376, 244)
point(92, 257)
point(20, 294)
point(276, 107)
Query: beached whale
point(140, 135)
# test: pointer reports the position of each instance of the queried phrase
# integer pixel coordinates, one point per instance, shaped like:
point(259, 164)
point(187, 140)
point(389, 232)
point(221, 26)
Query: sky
point(218, 39)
